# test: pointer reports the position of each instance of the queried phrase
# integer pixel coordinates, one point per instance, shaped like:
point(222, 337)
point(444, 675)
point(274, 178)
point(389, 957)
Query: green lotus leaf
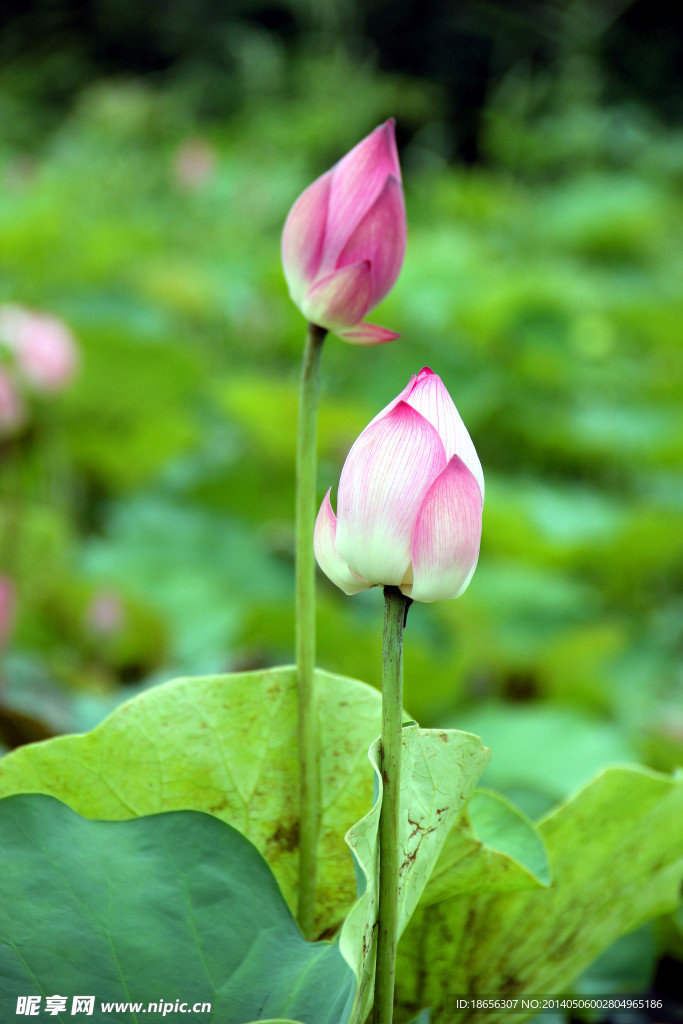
point(176, 906)
point(439, 770)
point(616, 858)
point(493, 847)
point(226, 745)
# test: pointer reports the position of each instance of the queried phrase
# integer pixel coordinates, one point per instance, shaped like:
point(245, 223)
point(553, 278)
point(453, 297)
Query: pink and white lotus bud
point(345, 238)
point(12, 407)
point(410, 501)
point(6, 608)
point(44, 348)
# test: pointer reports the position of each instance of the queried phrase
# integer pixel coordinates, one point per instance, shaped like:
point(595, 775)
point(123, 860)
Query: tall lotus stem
point(395, 609)
point(306, 459)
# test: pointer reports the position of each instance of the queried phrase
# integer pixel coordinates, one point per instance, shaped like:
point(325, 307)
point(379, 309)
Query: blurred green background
point(149, 156)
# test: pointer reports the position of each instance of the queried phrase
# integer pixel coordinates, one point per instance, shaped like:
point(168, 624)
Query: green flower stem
point(306, 463)
point(392, 715)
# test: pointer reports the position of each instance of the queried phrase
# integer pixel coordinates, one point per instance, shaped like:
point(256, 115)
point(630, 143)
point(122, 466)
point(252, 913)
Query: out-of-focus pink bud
point(43, 347)
point(345, 238)
point(6, 608)
point(410, 501)
point(105, 614)
point(12, 407)
point(195, 163)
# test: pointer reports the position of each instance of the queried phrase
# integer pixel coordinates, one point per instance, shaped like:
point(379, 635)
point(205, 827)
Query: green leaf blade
point(225, 745)
point(615, 851)
point(166, 907)
point(439, 769)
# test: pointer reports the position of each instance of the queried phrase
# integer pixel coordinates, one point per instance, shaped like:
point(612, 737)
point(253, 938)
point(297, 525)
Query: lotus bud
point(345, 238)
point(409, 507)
point(195, 164)
point(42, 346)
point(105, 615)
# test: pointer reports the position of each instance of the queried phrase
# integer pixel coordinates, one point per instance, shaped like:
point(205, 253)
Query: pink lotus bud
point(410, 501)
point(105, 614)
point(6, 608)
point(194, 164)
point(345, 238)
point(12, 408)
point(43, 347)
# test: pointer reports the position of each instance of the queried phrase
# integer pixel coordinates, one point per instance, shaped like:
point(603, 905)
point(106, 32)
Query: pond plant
point(162, 857)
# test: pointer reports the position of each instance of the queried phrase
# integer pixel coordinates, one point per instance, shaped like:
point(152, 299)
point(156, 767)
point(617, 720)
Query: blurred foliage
point(217, 53)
